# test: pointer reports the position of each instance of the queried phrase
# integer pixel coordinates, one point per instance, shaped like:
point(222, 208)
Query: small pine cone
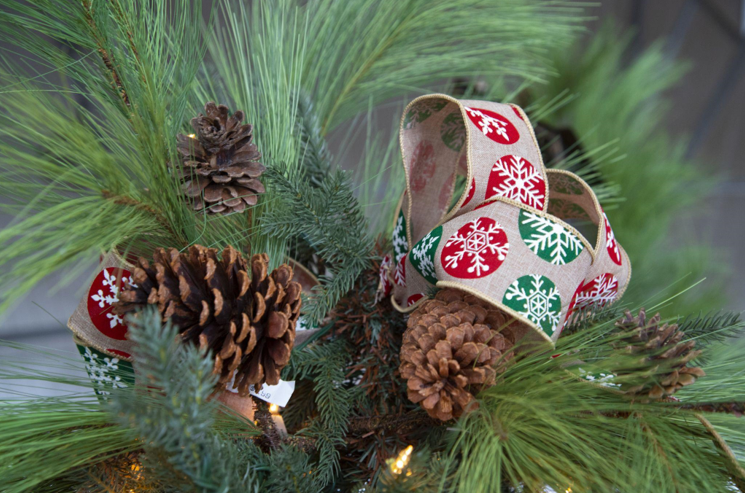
point(248, 323)
point(220, 168)
point(453, 347)
point(660, 345)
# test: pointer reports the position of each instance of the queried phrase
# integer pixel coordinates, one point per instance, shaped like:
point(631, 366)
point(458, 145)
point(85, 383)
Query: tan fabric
point(92, 321)
point(505, 240)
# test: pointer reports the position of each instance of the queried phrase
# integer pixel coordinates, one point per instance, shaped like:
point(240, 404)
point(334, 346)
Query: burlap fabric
point(93, 321)
point(507, 238)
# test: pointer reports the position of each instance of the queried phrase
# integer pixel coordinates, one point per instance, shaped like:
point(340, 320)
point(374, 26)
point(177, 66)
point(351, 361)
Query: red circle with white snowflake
point(414, 298)
point(101, 296)
point(476, 250)
point(516, 178)
point(493, 125)
point(399, 275)
point(471, 193)
point(614, 251)
point(423, 166)
point(517, 112)
point(595, 293)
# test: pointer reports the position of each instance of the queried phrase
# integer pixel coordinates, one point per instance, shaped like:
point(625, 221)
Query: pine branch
point(325, 364)
point(712, 327)
point(316, 158)
point(171, 410)
point(330, 220)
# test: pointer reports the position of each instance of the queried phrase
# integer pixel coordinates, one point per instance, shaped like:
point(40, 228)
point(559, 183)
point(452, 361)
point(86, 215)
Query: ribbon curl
point(507, 239)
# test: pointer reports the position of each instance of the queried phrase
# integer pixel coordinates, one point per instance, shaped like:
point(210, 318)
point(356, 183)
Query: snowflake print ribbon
point(482, 214)
point(93, 321)
point(475, 250)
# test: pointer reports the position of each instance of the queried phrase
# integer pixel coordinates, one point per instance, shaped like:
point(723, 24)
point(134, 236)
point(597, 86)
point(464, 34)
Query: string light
point(273, 408)
point(192, 136)
point(402, 461)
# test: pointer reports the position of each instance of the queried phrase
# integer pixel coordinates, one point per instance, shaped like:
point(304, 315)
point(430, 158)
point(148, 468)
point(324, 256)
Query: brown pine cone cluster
point(453, 347)
point(247, 321)
point(662, 346)
point(220, 168)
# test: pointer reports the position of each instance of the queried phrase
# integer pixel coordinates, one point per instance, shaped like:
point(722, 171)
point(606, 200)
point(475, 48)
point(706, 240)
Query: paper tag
point(275, 394)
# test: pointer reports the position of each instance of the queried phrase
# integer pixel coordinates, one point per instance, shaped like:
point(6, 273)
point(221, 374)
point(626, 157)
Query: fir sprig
point(171, 411)
point(329, 219)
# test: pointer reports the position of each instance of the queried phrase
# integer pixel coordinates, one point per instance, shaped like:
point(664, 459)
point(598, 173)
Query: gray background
point(707, 105)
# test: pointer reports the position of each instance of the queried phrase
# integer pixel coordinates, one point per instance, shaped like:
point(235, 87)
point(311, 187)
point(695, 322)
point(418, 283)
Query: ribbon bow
point(507, 239)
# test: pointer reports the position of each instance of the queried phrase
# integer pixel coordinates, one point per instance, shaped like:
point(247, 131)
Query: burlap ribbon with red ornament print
point(508, 237)
point(93, 321)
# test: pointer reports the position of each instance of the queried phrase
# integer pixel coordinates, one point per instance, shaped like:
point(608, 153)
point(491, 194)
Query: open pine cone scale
point(661, 346)
point(220, 169)
point(451, 350)
point(248, 322)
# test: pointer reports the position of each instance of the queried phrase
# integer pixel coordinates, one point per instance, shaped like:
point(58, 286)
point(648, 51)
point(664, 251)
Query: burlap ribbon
point(507, 239)
point(101, 335)
point(93, 321)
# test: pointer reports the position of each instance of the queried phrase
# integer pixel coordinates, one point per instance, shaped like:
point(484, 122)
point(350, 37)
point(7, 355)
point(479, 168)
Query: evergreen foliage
point(88, 170)
point(329, 219)
point(618, 110)
point(171, 412)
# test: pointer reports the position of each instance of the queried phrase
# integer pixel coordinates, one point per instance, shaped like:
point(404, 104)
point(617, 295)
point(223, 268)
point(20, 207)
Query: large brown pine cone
point(660, 346)
point(248, 322)
point(220, 168)
point(454, 346)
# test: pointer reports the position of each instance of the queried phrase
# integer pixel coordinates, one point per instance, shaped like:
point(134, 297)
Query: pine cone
point(661, 347)
point(453, 347)
point(220, 167)
point(249, 324)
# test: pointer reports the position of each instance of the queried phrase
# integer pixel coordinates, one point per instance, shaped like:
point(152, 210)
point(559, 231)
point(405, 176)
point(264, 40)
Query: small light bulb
point(273, 408)
point(192, 136)
point(402, 460)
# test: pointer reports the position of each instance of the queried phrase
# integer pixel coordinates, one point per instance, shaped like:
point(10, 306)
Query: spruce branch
point(329, 219)
point(171, 410)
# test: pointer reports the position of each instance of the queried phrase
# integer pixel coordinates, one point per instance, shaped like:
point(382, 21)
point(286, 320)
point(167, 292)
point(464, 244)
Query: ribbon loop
point(506, 239)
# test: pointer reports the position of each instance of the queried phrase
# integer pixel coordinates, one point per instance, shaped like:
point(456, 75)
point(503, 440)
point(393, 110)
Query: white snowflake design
point(536, 300)
point(101, 371)
point(400, 245)
point(106, 300)
point(550, 240)
point(520, 181)
point(489, 124)
point(399, 275)
point(610, 241)
point(602, 379)
point(478, 241)
point(604, 290)
point(419, 253)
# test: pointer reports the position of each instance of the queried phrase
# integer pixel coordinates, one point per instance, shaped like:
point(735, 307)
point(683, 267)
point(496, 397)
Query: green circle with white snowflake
point(548, 239)
point(106, 372)
point(453, 131)
point(422, 256)
point(567, 185)
point(422, 110)
point(537, 299)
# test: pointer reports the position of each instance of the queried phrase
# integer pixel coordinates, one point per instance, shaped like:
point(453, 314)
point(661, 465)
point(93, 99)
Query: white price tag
point(275, 394)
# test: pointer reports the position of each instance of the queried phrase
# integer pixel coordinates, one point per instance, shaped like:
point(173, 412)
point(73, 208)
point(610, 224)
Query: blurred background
point(705, 123)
